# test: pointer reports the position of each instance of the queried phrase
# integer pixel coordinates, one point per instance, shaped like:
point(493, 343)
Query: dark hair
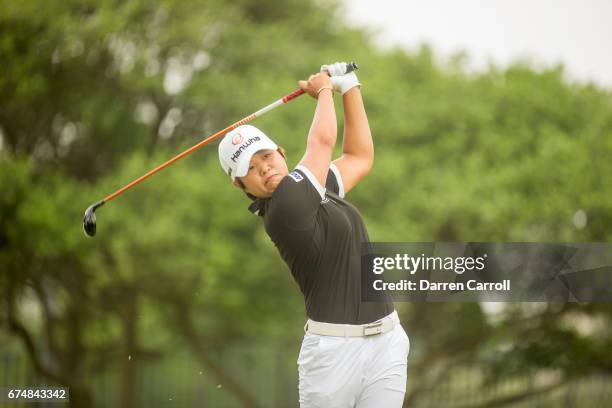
point(281, 150)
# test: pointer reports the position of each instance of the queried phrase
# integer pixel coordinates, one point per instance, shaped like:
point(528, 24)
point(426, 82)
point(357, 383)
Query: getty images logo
point(243, 147)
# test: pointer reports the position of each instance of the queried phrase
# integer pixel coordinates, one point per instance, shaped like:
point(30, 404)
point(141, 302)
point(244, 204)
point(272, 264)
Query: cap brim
point(243, 163)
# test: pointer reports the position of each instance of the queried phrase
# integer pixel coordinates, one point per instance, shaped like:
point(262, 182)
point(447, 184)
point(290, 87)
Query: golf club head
point(89, 220)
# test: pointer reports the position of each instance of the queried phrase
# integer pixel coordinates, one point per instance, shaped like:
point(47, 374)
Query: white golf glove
point(341, 82)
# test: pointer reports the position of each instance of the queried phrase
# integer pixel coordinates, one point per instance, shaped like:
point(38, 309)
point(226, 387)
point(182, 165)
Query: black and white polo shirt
point(319, 236)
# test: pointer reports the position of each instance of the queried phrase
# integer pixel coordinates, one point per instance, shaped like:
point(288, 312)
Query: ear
point(238, 184)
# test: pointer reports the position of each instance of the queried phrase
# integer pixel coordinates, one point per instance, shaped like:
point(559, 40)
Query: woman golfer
point(354, 353)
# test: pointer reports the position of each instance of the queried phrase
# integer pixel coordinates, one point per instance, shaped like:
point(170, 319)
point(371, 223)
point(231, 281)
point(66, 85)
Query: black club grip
point(351, 66)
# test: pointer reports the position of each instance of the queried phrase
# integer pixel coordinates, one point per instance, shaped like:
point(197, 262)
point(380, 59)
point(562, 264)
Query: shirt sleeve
point(296, 200)
point(334, 181)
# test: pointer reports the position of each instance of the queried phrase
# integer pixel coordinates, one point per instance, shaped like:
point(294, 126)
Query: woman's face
point(266, 170)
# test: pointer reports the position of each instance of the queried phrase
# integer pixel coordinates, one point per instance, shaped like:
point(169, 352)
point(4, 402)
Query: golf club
point(89, 220)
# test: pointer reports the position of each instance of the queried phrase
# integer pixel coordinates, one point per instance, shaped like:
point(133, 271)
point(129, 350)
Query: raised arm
point(357, 146)
point(323, 130)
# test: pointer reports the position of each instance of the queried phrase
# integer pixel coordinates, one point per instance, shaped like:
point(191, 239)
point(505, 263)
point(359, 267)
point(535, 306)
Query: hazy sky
point(575, 32)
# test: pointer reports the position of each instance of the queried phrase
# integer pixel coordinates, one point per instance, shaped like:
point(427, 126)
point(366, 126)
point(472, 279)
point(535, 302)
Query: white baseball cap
point(238, 146)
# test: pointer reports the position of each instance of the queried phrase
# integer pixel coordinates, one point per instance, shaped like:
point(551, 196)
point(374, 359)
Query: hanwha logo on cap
point(237, 139)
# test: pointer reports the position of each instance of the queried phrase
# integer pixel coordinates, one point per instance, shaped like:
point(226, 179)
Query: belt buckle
point(372, 328)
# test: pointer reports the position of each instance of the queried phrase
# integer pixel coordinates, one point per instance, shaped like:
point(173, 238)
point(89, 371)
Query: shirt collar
point(258, 206)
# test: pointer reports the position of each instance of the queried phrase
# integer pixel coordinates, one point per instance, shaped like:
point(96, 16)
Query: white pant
point(360, 372)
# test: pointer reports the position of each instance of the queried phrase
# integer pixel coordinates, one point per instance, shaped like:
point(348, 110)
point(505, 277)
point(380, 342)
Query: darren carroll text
point(424, 284)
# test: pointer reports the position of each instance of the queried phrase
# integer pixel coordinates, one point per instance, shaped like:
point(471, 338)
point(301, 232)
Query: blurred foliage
point(94, 94)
